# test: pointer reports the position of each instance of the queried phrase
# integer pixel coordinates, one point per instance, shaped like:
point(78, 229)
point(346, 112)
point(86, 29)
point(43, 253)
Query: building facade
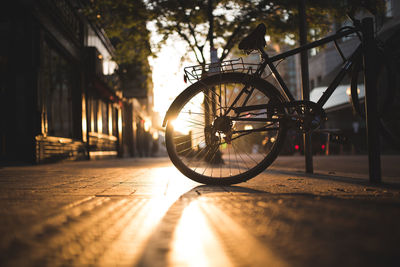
point(60, 95)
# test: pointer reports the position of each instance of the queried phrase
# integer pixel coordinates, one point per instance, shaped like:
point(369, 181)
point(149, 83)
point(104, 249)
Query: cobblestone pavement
point(143, 212)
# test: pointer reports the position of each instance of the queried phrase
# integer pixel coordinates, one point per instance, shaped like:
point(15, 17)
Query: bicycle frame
point(268, 61)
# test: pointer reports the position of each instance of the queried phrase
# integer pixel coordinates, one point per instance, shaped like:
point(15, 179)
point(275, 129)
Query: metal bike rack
point(305, 88)
point(371, 103)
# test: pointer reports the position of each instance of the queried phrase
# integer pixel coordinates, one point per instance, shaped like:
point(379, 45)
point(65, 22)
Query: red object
point(104, 89)
point(296, 147)
point(323, 147)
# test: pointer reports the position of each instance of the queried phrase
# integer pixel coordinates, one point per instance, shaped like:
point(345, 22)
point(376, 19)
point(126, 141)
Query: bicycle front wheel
point(225, 129)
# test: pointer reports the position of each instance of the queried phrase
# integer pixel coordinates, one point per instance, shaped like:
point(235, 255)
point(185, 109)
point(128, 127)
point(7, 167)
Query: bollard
point(371, 104)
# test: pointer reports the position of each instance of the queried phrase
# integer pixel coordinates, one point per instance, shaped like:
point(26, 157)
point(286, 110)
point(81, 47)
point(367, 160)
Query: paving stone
point(143, 212)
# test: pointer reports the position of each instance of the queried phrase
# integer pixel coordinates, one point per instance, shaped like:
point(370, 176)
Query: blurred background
point(84, 79)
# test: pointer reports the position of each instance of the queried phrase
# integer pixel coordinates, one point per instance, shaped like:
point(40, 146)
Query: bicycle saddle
point(255, 39)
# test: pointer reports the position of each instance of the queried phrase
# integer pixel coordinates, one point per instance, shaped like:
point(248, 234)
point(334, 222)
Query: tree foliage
point(205, 23)
point(125, 23)
point(224, 23)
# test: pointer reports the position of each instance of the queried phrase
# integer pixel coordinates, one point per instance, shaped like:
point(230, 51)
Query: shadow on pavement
point(160, 245)
point(204, 189)
point(349, 180)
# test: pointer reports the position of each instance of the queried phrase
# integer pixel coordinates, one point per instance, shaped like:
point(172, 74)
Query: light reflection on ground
point(194, 243)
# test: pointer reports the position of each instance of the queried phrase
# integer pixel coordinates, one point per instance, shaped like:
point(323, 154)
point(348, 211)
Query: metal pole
point(305, 82)
point(371, 105)
point(211, 21)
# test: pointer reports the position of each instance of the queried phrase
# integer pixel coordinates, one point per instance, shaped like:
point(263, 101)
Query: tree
point(224, 23)
point(125, 23)
point(205, 23)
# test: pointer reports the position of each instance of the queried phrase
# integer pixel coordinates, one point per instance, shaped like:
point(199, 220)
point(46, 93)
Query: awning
point(339, 97)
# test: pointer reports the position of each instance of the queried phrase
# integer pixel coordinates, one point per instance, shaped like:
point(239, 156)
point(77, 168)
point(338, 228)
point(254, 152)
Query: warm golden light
point(155, 135)
point(44, 125)
point(147, 125)
point(180, 126)
point(99, 123)
point(348, 91)
point(145, 214)
point(195, 244)
point(99, 119)
point(110, 120)
point(84, 122)
point(248, 127)
point(120, 123)
point(92, 117)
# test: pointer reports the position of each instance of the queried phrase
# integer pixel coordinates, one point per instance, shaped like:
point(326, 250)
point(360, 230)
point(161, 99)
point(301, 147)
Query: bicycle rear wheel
point(211, 141)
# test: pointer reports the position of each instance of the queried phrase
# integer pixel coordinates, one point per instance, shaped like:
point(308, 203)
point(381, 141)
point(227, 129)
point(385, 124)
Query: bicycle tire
point(206, 160)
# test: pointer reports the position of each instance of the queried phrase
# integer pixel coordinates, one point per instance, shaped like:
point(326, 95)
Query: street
point(143, 212)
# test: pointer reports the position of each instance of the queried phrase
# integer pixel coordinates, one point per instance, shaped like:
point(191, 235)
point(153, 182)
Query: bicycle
point(230, 124)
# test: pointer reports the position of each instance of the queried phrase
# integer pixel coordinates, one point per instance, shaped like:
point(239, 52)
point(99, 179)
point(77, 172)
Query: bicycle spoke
point(240, 157)
point(192, 113)
point(211, 141)
point(215, 150)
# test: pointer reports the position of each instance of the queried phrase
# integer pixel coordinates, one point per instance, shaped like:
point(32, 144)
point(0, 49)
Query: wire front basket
point(198, 72)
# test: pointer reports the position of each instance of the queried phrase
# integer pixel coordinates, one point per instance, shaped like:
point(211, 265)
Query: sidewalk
point(351, 166)
point(143, 212)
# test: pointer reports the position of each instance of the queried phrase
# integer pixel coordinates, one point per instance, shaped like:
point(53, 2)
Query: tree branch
point(186, 38)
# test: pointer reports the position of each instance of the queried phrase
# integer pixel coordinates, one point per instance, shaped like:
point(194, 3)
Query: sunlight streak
point(194, 243)
point(143, 215)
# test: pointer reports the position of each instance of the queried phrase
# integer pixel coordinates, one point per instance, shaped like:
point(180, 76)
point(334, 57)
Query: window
point(389, 8)
point(92, 107)
point(314, 35)
point(58, 79)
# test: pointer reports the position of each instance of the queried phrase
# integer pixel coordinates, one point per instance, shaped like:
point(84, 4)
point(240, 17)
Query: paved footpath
point(143, 212)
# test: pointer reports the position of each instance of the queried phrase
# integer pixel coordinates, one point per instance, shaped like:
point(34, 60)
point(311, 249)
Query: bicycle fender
point(169, 113)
